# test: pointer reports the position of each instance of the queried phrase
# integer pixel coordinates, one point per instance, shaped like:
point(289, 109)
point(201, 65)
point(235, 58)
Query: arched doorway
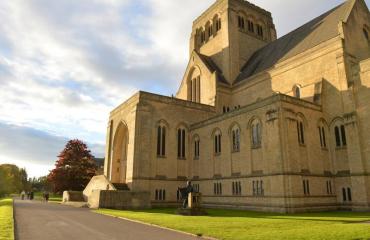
point(119, 157)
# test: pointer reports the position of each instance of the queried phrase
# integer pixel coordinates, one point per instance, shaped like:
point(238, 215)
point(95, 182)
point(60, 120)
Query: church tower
point(229, 32)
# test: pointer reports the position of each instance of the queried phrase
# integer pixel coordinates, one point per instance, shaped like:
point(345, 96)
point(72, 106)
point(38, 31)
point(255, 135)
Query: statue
point(184, 193)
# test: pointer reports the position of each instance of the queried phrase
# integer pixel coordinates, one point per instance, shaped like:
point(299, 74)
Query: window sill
point(235, 151)
point(181, 159)
point(196, 159)
point(161, 157)
point(341, 148)
point(302, 145)
point(256, 147)
point(217, 154)
point(324, 149)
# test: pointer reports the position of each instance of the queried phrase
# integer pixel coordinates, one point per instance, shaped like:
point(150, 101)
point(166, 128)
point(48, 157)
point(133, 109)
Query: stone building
point(258, 122)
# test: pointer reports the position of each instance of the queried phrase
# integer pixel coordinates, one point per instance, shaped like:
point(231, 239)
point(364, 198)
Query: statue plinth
point(194, 206)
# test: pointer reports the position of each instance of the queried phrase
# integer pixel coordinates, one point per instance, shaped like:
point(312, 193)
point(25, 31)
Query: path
point(41, 221)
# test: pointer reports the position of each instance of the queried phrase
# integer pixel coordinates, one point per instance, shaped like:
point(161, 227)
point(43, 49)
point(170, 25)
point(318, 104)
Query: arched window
point(344, 194)
point(366, 34)
point(241, 22)
point(217, 142)
point(235, 134)
point(250, 26)
point(322, 135)
point(161, 141)
point(196, 148)
point(340, 136)
point(300, 130)
point(203, 36)
point(216, 23)
point(210, 31)
point(194, 85)
point(297, 91)
point(259, 30)
point(181, 138)
point(256, 134)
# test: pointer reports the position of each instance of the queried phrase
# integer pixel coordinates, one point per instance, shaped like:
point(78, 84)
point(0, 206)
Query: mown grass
point(238, 225)
point(38, 196)
point(6, 219)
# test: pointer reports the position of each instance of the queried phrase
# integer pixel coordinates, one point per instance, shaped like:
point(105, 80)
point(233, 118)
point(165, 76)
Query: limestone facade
point(258, 123)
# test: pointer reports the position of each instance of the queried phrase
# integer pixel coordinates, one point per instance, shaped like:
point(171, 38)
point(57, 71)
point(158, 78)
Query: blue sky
point(65, 64)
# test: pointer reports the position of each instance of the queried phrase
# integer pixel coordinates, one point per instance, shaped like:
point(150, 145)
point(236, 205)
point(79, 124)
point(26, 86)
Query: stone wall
point(97, 183)
point(119, 199)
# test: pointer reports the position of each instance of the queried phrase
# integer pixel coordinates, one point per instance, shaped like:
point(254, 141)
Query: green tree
point(74, 168)
point(12, 179)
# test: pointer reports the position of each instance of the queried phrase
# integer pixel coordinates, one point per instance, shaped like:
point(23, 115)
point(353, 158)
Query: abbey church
point(258, 122)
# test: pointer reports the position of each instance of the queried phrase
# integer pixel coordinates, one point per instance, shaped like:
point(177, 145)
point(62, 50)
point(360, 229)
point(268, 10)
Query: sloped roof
point(309, 35)
point(212, 67)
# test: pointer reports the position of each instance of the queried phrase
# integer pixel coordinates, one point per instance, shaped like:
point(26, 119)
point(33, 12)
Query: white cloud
point(65, 64)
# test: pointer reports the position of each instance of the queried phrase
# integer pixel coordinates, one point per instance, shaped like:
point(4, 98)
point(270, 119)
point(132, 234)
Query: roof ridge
point(296, 41)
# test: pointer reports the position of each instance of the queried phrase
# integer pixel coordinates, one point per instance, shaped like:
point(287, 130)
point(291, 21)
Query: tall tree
point(12, 179)
point(74, 168)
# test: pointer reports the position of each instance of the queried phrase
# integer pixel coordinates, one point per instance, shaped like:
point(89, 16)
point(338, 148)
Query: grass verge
point(6, 219)
point(244, 225)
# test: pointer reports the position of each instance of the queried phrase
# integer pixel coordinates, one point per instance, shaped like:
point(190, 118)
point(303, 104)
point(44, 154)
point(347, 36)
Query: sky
point(64, 65)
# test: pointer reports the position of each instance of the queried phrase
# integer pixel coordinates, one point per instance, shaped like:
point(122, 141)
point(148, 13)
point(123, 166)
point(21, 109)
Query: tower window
point(210, 30)
point(366, 34)
point(297, 91)
point(218, 24)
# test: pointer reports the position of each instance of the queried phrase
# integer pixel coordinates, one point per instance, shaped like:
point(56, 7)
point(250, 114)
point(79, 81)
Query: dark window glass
point(321, 143)
point(159, 141)
point(156, 194)
point(323, 136)
point(366, 34)
point(164, 195)
point(344, 194)
point(179, 143)
point(183, 144)
point(343, 132)
point(337, 136)
point(163, 141)
point(302, 132)
point(349, 194)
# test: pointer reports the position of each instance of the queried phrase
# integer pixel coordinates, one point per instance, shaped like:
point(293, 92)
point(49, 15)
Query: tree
point(12, 179)
point(74, 168)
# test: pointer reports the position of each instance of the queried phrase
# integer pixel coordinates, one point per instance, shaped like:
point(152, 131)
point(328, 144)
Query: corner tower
point(229, 32)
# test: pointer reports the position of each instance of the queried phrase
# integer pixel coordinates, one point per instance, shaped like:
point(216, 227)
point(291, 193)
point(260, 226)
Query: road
point(42, 221)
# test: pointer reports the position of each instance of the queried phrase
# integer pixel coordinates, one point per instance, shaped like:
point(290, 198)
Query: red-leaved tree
point(74, 168)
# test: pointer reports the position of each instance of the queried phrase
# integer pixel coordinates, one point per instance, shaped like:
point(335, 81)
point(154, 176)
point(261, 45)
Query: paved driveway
point(41, 221)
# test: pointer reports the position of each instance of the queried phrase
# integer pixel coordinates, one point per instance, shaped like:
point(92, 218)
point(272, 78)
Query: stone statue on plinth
point(191, 201)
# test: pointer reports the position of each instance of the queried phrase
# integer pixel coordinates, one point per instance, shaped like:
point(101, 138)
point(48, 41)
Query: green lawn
point(6, 219)
point(237, 225)
point(52, 197)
